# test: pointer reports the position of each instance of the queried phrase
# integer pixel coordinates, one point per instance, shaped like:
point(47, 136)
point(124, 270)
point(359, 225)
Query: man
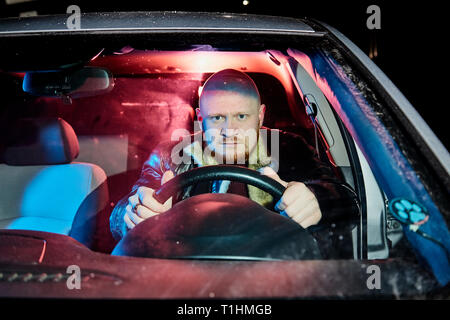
point(231, 116)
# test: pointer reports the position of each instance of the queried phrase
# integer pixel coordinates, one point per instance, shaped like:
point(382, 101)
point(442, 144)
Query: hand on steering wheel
point(293, 199)
point(297, 202)
point(220, 172)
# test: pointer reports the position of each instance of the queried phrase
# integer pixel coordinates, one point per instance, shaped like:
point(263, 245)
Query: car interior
point(67, 161)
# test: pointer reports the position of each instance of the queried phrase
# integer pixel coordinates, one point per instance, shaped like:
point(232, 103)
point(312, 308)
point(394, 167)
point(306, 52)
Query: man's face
point(231, 123)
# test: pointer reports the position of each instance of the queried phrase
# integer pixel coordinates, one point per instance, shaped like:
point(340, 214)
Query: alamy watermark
point(73, 22)
point(74, 280)
point(373, 282)
point(374, 20)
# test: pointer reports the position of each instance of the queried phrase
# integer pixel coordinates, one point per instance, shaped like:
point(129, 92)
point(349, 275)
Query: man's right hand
point(143, 205)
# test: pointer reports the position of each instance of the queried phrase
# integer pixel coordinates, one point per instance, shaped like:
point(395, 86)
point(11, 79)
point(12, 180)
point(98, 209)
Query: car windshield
point(152, 96)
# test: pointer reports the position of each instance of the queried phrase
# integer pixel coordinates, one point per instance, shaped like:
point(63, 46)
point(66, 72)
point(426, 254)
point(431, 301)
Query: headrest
point(43, 141)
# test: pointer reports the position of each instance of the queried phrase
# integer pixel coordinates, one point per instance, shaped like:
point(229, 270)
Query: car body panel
point(159, 21)
point(106, 276)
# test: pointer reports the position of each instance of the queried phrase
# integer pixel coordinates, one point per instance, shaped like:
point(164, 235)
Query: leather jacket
point(298, 162)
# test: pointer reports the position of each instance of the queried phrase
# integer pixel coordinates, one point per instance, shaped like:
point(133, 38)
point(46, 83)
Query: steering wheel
point(219, 225)
point(219, 172)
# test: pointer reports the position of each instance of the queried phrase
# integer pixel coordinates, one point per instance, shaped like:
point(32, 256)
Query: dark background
point(411, 43)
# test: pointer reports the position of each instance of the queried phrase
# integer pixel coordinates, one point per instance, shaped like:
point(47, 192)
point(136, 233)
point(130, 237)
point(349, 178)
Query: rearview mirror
point(85, 82)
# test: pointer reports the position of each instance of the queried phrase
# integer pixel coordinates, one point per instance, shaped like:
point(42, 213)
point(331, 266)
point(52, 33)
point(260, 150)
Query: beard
point(231, 157)
point(235, 152)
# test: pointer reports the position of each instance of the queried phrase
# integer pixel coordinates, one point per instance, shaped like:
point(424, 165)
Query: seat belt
point(311, 111)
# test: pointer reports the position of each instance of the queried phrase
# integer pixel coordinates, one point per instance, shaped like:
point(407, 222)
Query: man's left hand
point(298, 202)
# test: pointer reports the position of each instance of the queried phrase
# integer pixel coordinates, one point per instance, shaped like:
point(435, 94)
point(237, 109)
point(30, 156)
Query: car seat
point(42, 189)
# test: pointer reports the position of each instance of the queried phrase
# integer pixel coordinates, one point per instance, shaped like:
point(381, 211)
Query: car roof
point(160, 21)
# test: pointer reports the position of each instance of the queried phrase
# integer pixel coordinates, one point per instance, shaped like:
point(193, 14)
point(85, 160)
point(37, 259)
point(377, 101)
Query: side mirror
point(85, 82)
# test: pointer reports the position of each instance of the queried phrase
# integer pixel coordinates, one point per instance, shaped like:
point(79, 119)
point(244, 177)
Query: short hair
point(231, 80)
